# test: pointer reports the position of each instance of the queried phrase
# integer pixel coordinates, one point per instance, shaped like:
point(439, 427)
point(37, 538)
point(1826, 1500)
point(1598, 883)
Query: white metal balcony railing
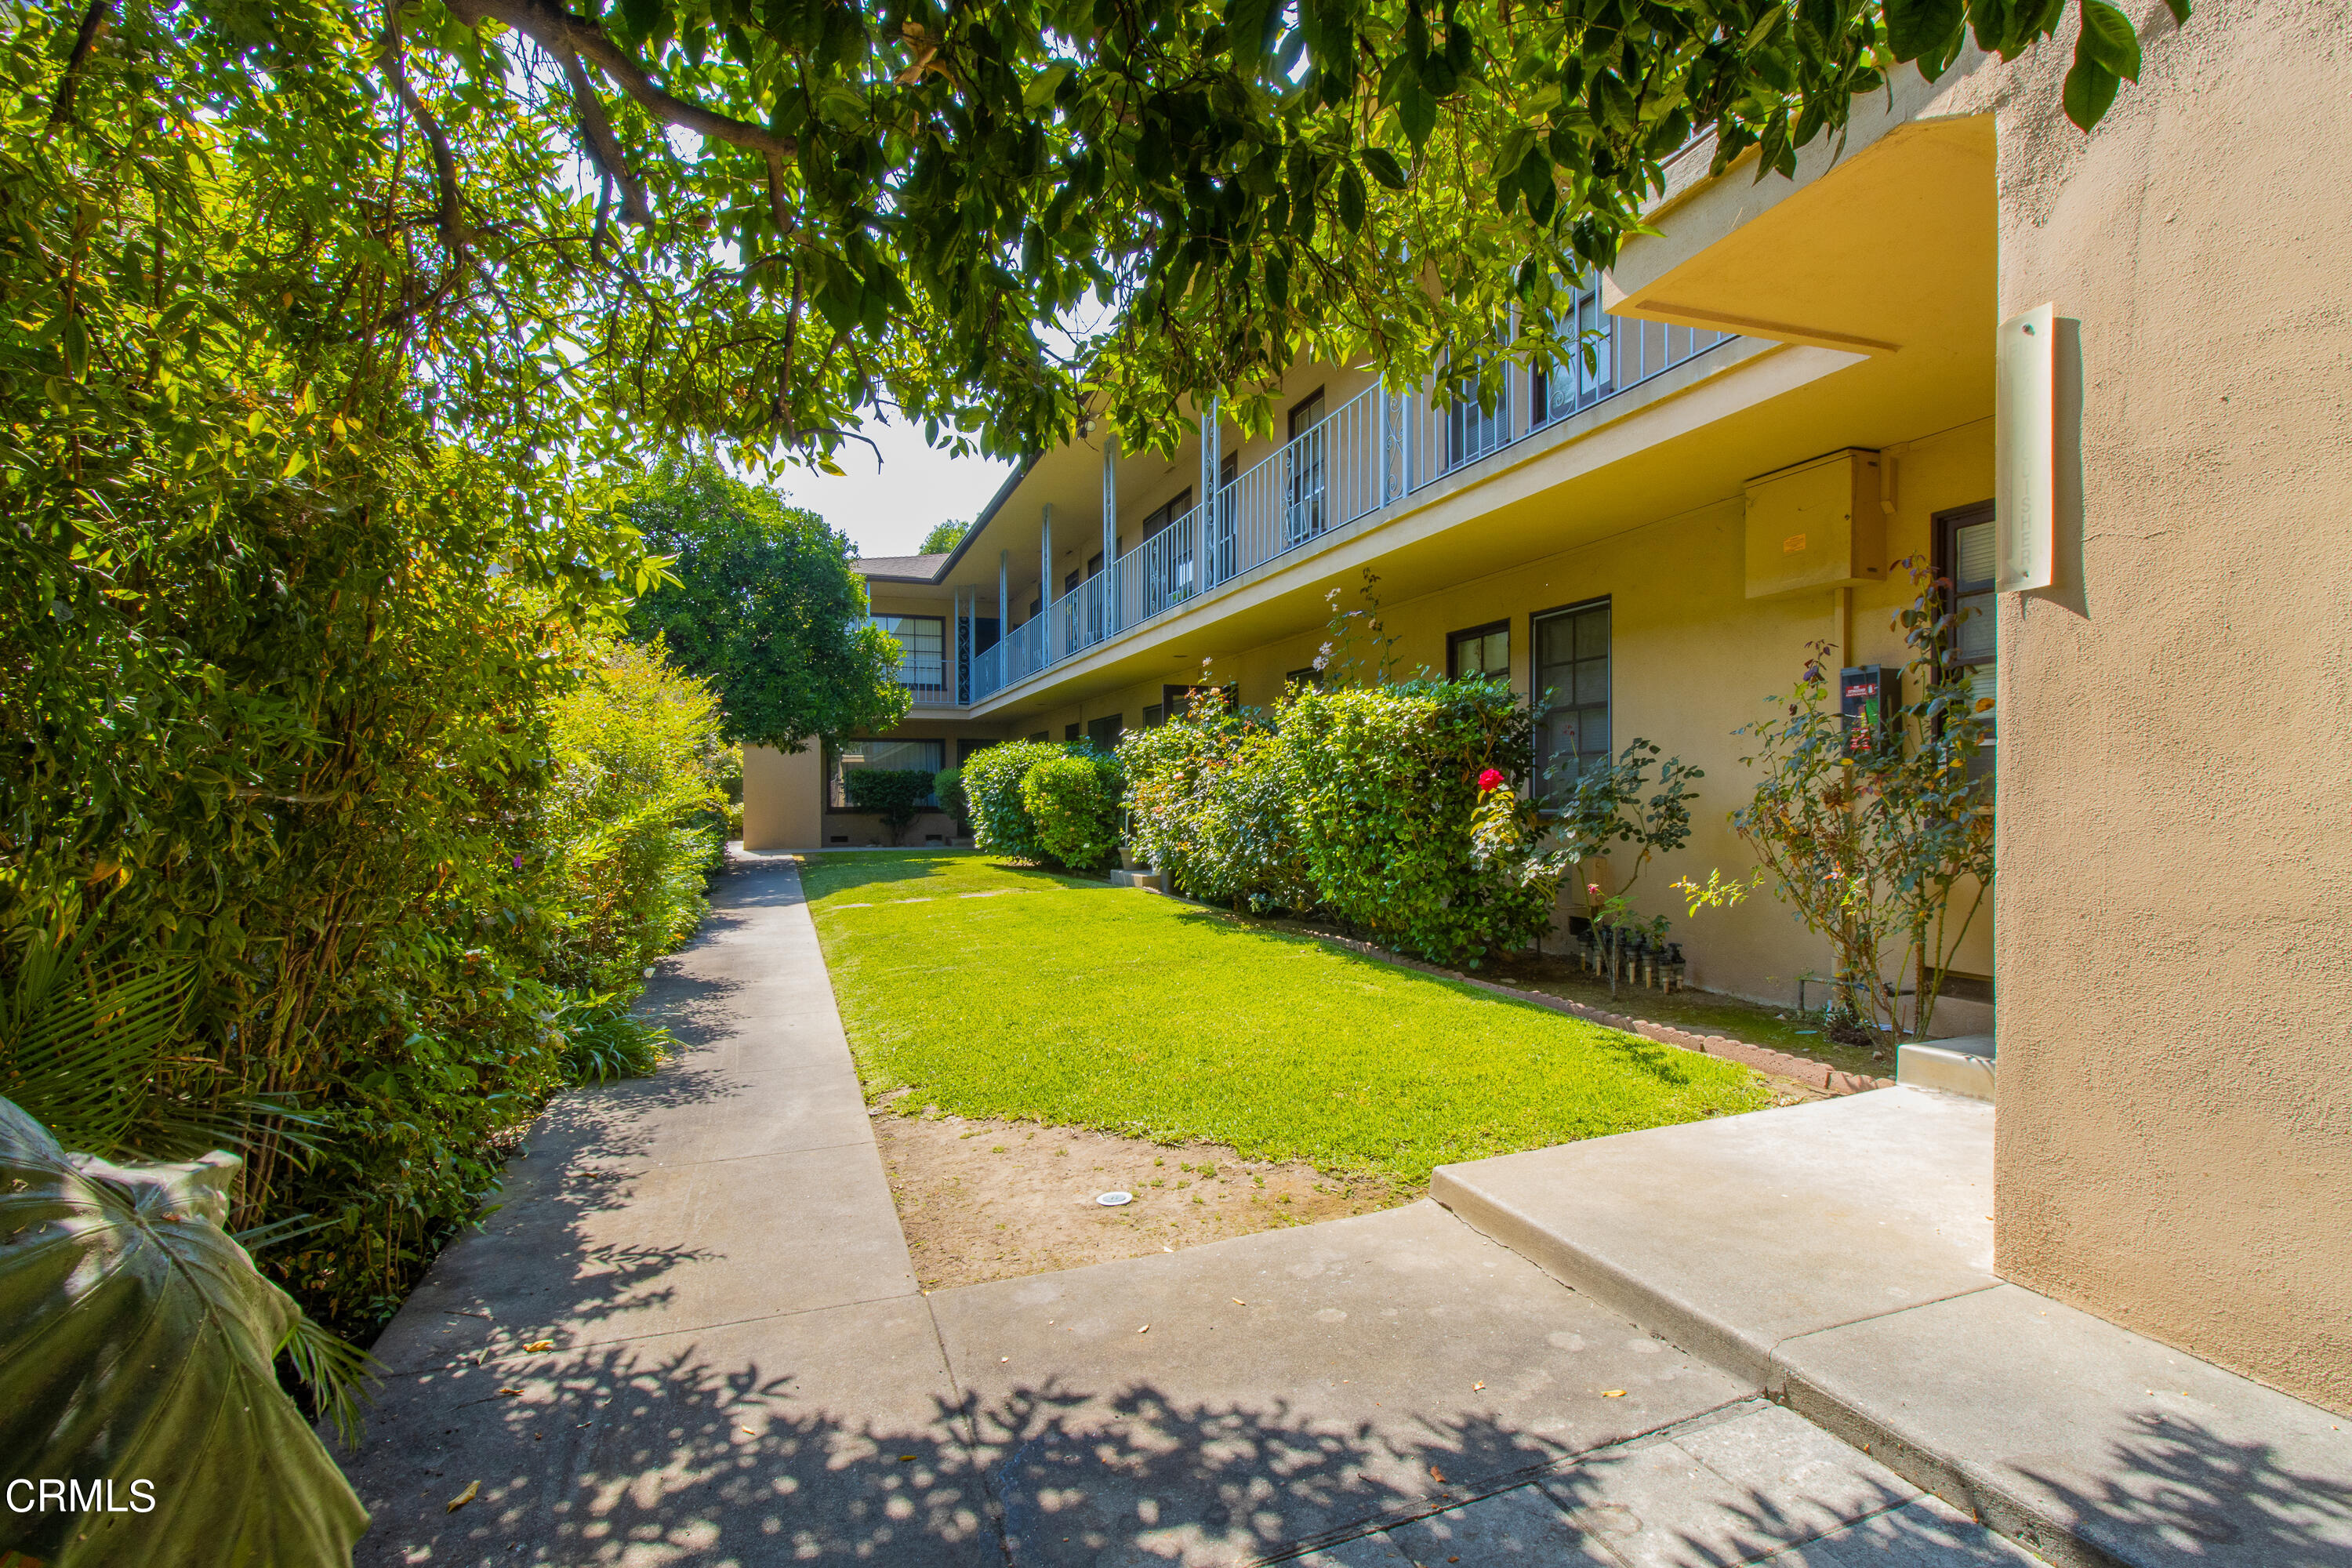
point(1372, 450)
point(925, 675)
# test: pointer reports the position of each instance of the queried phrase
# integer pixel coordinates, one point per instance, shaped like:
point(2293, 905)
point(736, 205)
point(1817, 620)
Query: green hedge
point(992, 783)
point(894, 795)
point(1072, 804)
point(1358, 802)
point(947, 785)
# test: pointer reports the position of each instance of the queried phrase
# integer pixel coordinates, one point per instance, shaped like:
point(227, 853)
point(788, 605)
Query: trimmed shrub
point(1388, 788)
point(894, 795)
point(1209, 801)
point(947, 785)
point(1073, 806)
point(991, 783)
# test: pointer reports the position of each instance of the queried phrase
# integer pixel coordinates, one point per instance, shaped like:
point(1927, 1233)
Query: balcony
point(1372, 451)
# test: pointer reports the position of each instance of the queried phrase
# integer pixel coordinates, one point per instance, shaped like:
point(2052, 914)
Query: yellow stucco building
point(1803, 385)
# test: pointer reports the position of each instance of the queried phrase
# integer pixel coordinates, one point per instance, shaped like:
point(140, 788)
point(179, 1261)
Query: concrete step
point(1961, 1065)
point(1840, 1255)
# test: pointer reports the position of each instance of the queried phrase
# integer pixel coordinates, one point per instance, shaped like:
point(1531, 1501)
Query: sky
point(888, 510)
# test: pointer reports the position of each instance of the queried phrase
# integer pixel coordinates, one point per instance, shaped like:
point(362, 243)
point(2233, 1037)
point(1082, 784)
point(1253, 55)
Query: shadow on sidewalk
point(2185, 1492)
point(629, 1453)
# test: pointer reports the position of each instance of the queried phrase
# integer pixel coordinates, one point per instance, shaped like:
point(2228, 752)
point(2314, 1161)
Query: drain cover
point(1112, 1200)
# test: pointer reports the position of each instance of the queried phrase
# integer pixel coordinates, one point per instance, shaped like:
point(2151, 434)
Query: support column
point(1110, 532)
point(1212, 459)
point(1004, 593)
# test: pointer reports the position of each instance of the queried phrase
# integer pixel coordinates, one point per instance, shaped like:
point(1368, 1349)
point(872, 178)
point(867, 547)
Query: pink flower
point(1491, 779)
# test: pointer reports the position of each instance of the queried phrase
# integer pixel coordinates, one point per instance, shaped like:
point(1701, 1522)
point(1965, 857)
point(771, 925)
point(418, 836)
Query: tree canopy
point(766, 606)
point(944, 536)
point(754, 221)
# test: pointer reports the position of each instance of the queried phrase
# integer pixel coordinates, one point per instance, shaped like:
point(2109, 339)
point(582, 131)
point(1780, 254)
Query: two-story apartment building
point(1806, 381)
point(1642, 543)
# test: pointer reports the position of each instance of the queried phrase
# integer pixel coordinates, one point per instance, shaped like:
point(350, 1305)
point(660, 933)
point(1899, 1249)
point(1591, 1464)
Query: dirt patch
point(984, 1200)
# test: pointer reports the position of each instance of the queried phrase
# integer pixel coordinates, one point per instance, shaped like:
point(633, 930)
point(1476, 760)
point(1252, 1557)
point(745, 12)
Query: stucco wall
point(781, 798)
point(1693, 657)
point(2175, 1126)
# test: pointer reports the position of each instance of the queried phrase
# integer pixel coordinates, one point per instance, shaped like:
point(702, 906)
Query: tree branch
point(445, 163)
point(93, 23)
point(603, 145)
point(564, 34)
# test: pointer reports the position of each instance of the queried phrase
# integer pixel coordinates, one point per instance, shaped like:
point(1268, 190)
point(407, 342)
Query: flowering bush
point(1073, 804)
point(1209, 802)
point(1885, 850)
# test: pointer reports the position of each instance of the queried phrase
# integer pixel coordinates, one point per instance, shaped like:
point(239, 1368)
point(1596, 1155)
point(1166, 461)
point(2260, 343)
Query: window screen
point(1570, 693)
point(1482, 650)
point(922, 649)
point(1965, 549)
point(843, 757)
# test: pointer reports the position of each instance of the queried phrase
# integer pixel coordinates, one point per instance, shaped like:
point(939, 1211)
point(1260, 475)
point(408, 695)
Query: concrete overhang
point(1883, 238)
point(1681, 441)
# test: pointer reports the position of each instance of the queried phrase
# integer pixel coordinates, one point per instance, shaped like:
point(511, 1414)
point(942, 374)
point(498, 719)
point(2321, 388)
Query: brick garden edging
point(1804, 1070)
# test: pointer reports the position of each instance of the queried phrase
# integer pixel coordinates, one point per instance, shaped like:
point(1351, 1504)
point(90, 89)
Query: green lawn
point(1702, 1012)
point(1061, 1000)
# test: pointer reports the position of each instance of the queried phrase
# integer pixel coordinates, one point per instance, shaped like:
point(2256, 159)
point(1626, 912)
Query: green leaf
point(137, 1343)
point(1383, 167)
point(2090, 89)
point(1351, 200)
point(1250, 28)
point(1923, 29)
point(2108, 38)
point(1417, 114)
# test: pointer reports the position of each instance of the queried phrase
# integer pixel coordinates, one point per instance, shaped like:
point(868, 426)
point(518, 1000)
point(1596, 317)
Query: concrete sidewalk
point(690, 1334)
point(1840, 1255)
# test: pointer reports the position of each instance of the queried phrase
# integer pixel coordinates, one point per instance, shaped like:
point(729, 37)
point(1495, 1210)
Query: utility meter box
point(1817, 525)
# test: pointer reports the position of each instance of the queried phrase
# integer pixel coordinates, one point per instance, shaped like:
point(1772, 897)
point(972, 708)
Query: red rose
point(1491, 779)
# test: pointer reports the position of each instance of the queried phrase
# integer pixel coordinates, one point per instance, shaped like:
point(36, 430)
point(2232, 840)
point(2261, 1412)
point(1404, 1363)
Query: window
point(1571, 694)
point(1168, 569)
point(1302, 471)
point(1308, 414)
point(1041, 737)
point(1160, 516)
point(1481, 650)
point(1103, 732)
point(1154, 715)
point(1472, 432)
point(845, 757)
point(1069, 734)
point(965, 749)
point(922, 649)
point(1314, 679)
point(1964, 556)
point(1178, 699)
point(1573, 381)
point(1220, 558)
